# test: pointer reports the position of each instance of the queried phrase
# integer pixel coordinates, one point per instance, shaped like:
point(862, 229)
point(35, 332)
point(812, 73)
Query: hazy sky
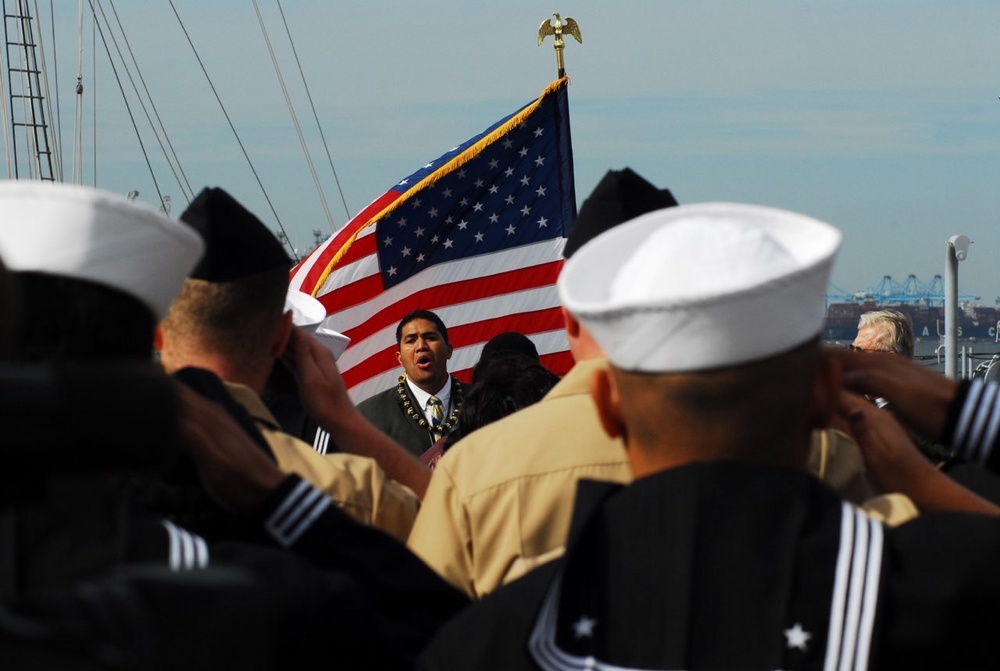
point(882, 118)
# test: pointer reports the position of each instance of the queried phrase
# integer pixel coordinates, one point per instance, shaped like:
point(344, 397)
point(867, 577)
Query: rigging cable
point(295, 119)
point(190, 192)
point(312, 106)
point(45, 105)
point(56, 142)
point(235, 134)
point(138, 95)
point(32, 82)
point(8, 139)
point(128, 107)
point(93, 68)
point(76, 173)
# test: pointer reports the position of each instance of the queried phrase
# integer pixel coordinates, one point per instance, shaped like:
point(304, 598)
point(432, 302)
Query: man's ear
point(282, 335)
point(604, 391)
point(570, 323)
point(824, 394)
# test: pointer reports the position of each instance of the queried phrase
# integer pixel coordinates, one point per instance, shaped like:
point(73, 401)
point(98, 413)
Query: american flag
point(475, 236)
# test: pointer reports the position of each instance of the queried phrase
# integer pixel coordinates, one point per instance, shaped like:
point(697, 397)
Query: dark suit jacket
point(388, 412)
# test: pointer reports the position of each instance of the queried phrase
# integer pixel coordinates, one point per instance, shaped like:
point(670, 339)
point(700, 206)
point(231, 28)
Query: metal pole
point(956, 249)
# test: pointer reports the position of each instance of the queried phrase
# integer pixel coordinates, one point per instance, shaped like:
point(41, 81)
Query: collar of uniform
point(249, 399)
point(597, 577)
point(577, 380)
point(421, 397)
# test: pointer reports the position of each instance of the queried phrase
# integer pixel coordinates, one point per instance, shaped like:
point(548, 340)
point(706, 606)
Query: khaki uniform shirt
point(356, 484)
point(836, 460)
point(500, 501)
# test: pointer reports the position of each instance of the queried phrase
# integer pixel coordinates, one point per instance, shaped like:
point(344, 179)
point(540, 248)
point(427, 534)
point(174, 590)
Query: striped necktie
point(437, 417)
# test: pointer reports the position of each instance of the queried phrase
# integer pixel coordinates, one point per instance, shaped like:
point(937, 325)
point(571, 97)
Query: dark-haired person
point(508, 342)
point(426, 400)
point(504, 381)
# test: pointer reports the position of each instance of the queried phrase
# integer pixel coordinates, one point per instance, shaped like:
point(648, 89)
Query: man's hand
point(232, 468)
point(324, 396)
point(896, 464)
point(918, 397)
point(892, 459)
point(321, 387)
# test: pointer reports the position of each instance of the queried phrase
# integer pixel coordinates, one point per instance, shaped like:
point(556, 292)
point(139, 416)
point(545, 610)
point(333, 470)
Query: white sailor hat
point(307, 312)
point(702, 286)
point(309, 315)
point(87, 234)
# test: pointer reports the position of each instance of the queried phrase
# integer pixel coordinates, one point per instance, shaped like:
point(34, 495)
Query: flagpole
point(557, 29)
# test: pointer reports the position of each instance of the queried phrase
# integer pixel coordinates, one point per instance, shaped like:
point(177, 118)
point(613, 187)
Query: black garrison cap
point(237, 243)
point(621, 195)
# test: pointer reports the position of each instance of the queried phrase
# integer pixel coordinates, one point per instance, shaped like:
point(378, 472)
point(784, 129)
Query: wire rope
point(8, 138)
point(93, 68)
point(138, 95)
point(189, 194)
point(55, 143)
point(128, 107)
point(76, 172)
point(45, 107)
point(233, 129)
point(312, 106)
point(33, 84)
point(295, 119)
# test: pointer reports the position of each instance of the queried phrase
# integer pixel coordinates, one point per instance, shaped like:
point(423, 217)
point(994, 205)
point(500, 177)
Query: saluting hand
point(919, 397)
point(321, 387)
point(324, 396)
point(897, 466)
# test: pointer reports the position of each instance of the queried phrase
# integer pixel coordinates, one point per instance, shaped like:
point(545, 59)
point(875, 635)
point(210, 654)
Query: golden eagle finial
point(557, 29)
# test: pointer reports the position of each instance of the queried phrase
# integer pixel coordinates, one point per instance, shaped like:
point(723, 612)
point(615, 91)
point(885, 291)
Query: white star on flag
point(797, 637)
point(584, 627)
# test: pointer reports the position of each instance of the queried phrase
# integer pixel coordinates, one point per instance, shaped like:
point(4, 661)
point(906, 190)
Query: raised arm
point(324, 396)
point(898, 466)
point(918, 396)
point(963, 415)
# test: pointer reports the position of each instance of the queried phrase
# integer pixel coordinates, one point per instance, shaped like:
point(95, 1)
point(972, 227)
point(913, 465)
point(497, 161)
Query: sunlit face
point(424, 355)
point(868, 338)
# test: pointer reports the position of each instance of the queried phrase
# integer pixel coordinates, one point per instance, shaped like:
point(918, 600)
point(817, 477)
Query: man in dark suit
point(426, 401)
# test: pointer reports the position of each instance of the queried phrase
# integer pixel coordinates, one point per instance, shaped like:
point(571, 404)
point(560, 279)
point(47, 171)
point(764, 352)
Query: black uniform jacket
point(727, 565)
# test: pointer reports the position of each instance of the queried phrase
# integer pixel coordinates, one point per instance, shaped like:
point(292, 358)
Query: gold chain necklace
point(419, 417)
